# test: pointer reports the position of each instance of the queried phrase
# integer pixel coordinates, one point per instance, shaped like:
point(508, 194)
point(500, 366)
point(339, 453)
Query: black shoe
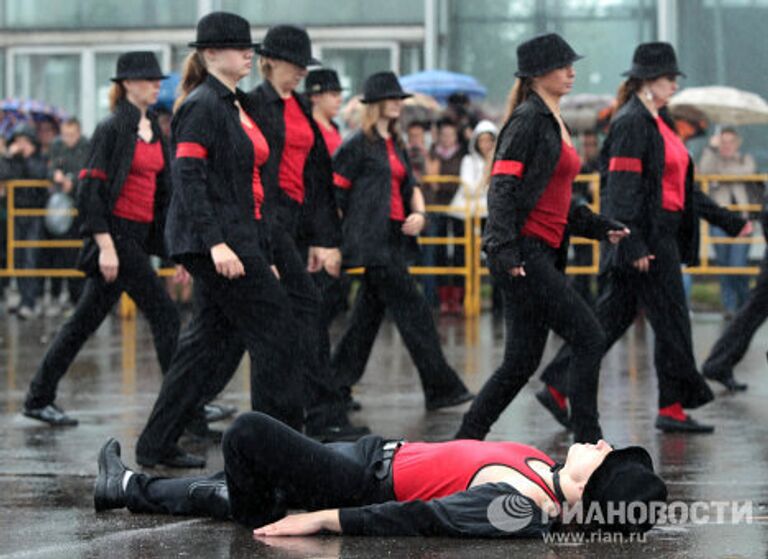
point(177, 458)
point(199, 430)
point(337, 433)
point(438, 402)
point(726, 379)
point(108, 491)
point(546, 399)
point(210, 497)
point(52, 415)
point(217, 412)
point(690, 425)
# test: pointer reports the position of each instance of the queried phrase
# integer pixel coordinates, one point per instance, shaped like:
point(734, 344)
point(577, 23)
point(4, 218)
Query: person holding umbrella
point(648, 184)
point(530, 216)
point(123, 199)
point(382, 214)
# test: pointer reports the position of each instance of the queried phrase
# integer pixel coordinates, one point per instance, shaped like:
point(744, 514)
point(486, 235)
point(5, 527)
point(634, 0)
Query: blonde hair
point(265, 67)
point(372, 112)
point(521, 90)
point(627, 88)
point(116, 94)
point(192, 75)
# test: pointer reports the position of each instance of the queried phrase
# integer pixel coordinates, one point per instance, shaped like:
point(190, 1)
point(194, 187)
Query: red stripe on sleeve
point(341, 182)
point(508, 167)
point(191, 149)
point(628, 164)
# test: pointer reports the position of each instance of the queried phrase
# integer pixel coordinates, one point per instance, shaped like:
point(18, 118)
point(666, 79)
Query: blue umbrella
point(440, 84)
point(167, 94)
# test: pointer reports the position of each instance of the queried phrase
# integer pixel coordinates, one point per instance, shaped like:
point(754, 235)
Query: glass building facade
point(63, 51)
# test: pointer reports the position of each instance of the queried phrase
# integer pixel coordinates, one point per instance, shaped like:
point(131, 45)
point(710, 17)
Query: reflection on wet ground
point(46, 475)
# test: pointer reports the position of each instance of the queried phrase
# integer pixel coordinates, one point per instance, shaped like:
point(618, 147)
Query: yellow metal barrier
point(473, 271)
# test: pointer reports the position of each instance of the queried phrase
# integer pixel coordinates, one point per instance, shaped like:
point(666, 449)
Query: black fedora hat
point(223, 30)
point(322, 80)
point(138, 65)
point(383, 85)
point(625, 477)
point(289, 43)
point(542, 54)
point(652, 60)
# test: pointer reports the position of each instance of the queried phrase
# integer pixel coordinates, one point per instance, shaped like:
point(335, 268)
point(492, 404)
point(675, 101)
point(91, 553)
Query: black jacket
point(465, 514)
point(108, 166)
point(318, 218)
point(363, 181)
point(212, 168)
point(632, 167)
point(527, 153)
point(26, 168)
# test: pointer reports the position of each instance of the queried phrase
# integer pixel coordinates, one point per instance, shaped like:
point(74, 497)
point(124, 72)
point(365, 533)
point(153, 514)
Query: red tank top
point(331, 137)
point(299, 139)
point(427, 471)
point(675, 169)
point(397, 209)
point(260, 156)
point(137, 197)
point(549, 217)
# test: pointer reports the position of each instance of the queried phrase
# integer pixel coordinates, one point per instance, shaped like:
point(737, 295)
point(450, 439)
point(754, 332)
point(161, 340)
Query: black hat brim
point(197, 45)
point(651, 74)
point(554, 66)
point(385, 96)
point(630, 454)
point(150, 77)
point(260, 50)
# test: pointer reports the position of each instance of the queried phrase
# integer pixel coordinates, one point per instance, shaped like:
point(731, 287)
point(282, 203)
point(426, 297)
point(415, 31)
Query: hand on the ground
point(108, 264)
point(516, 271)
point(414, 224)
point(226, 262)
point(643, 264)
point(616, 235)
point(303, 524)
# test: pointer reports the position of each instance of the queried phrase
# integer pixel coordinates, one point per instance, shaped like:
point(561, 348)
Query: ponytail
point(116, 94)
point(192, 75)
point(520, 91)
point(627, 88)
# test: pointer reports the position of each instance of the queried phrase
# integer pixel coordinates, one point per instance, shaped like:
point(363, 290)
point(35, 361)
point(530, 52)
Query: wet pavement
point(46, 475)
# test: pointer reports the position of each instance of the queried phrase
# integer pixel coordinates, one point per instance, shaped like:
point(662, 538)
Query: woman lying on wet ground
point(462, 488)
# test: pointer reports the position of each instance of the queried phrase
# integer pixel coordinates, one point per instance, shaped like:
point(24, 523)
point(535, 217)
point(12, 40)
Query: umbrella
point(582, 112)
point(14, 111)
point(720, 105)
point(440, 84)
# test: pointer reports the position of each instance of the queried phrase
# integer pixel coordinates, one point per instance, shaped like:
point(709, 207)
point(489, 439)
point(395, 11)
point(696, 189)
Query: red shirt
point(260, 156)
point(331, 136)
point(299, 139)
point(549, 217)
point(137, 197)
point(433, 470)
point(675, 169)
point(397, 210)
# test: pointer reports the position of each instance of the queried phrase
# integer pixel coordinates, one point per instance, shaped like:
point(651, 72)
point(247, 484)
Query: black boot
point(546, 399)
point(108, 490)
point(689, 425)
point(725, 378)
point(50, 414)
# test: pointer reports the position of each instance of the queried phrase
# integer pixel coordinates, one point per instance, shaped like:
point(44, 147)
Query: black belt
point(383, 471)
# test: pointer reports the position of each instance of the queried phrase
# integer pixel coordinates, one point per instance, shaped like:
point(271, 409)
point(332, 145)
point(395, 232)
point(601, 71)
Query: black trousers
point(271, 468)
point(135, 277)
point(391, 287)
point(734, 342)
point(660, 293)
point(323, 400)
point(541, 301)
point(582, 283)
point(253, 308)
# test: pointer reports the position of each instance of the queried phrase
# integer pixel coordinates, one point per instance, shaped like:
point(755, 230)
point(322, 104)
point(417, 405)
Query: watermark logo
point(510, 513)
